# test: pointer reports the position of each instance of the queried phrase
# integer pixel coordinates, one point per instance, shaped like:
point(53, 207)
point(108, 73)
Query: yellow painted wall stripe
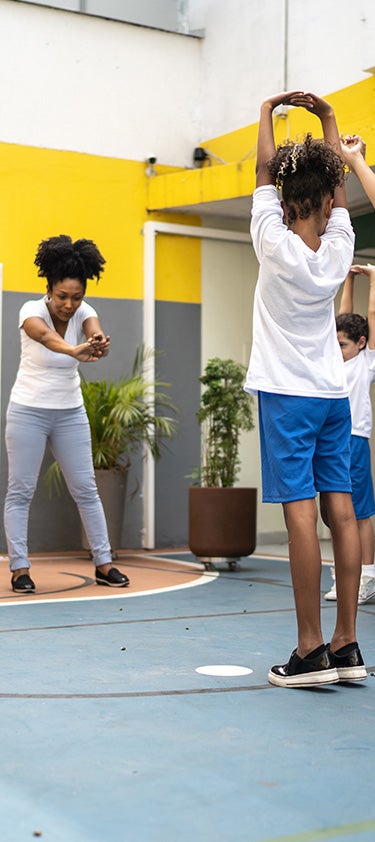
point(46, 192)
point(355, 112)
point(354, 107)
point(178, 268)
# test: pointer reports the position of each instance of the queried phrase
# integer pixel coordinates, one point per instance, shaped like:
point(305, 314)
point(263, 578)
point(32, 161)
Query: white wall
point(71, 81)
point(74, 82)
point(329, 45)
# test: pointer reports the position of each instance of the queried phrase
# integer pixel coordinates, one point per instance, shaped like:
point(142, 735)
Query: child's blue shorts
point(360, 472)
point(305, 446)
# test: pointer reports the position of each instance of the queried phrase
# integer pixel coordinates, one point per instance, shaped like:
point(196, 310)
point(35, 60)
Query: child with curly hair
point(304, 245)
point(58, 332)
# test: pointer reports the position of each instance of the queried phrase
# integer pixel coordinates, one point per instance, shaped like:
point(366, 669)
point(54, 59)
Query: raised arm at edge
point(364, 174)
point(347, 295)
point(265, 145)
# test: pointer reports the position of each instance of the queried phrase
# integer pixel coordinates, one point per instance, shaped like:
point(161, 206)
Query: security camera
point(150, 169)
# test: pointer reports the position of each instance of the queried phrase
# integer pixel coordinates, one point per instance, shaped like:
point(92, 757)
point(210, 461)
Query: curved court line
point(337, 832)
point(202, 580)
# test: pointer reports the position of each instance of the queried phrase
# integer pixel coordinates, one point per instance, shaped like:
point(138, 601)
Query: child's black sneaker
point(349, 663)
point(316, 669)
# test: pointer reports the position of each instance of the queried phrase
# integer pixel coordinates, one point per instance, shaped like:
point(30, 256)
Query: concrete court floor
point(109, 734)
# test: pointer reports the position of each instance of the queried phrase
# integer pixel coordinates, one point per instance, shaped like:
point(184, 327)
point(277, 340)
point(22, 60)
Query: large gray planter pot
point(222, 523)
point(112, 492)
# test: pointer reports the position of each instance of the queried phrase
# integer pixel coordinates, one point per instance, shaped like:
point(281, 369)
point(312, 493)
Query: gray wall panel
point(178, 335)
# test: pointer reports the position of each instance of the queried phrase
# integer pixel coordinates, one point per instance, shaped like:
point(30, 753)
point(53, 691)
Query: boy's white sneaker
point(366, 589)
point(331, 595)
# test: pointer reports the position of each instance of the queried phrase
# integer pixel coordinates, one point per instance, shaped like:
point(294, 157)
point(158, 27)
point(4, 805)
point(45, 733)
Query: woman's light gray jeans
point(67, 431)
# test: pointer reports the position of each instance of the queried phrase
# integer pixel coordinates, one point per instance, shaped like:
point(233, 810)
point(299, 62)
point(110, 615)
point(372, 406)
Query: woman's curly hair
point(306, 172)
point(353, 325)
point(59, 257)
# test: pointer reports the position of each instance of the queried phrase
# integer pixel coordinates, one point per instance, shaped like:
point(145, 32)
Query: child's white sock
point(368, 570)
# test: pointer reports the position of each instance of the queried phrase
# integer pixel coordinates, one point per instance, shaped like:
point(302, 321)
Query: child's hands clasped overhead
point(352, 146)
point(285, 98)
point(301, 99)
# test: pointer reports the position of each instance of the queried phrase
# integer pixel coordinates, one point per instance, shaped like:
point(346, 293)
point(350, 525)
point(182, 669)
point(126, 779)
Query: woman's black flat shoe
point(23, 584)
point(114, 579)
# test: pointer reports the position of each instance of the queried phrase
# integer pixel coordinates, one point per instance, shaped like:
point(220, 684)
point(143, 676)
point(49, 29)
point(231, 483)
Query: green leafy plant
point(126, 415)
point(225, 411)
point(123, 417)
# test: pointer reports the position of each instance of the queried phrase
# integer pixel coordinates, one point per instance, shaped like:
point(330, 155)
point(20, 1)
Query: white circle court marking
point(223, 669)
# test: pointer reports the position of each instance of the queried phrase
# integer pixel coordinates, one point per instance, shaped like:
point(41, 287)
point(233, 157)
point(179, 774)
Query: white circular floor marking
point(223, 669)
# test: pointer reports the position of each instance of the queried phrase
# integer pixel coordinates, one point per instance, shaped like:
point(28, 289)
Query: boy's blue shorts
point(360, 472)
point(305, 446)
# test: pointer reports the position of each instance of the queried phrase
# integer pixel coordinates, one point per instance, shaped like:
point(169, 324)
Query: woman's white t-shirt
point(45, 378)
point(295, 349)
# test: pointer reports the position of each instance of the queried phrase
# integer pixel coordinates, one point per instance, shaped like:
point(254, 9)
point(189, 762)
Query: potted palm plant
point(125, 418)
point(222, 516)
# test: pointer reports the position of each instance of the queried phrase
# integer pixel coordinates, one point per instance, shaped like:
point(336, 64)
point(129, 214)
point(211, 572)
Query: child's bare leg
point(347, 555)
point(305, 564)
point(366, 537)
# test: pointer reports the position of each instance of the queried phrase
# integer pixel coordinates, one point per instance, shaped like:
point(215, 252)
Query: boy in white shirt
point(304, 246)
point(356, 336)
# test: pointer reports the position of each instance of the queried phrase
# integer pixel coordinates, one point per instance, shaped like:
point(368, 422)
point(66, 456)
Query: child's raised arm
point(368, 270)
point(266, 142)
point(347, 297)
point(326, 115)
point(352, 151)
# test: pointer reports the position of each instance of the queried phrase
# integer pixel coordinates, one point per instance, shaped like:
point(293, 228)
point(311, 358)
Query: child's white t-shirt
point(295, 349)
point(45, 378)
point(360, 373)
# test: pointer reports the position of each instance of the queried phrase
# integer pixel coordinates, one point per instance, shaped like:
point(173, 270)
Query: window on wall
point(170, 15)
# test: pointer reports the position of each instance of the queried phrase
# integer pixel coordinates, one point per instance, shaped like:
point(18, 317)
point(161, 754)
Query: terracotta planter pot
point(222, 522)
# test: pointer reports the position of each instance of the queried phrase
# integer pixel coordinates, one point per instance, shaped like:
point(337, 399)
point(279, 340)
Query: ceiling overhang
point(224, 189)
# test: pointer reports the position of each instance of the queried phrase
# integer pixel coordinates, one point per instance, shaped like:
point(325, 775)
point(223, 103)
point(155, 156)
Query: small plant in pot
point(222, 516)
point(126, 417)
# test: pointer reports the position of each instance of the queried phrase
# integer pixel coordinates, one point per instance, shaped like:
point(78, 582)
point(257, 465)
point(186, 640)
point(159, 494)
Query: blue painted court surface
point(108, 732)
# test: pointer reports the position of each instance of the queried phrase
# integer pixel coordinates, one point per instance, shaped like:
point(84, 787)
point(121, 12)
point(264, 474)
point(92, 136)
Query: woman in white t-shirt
point(46, 405)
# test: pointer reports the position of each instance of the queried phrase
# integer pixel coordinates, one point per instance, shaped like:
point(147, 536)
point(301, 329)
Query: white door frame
point(151, 230)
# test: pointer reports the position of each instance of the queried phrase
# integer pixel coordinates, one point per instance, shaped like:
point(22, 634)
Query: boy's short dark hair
point(353, 325)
